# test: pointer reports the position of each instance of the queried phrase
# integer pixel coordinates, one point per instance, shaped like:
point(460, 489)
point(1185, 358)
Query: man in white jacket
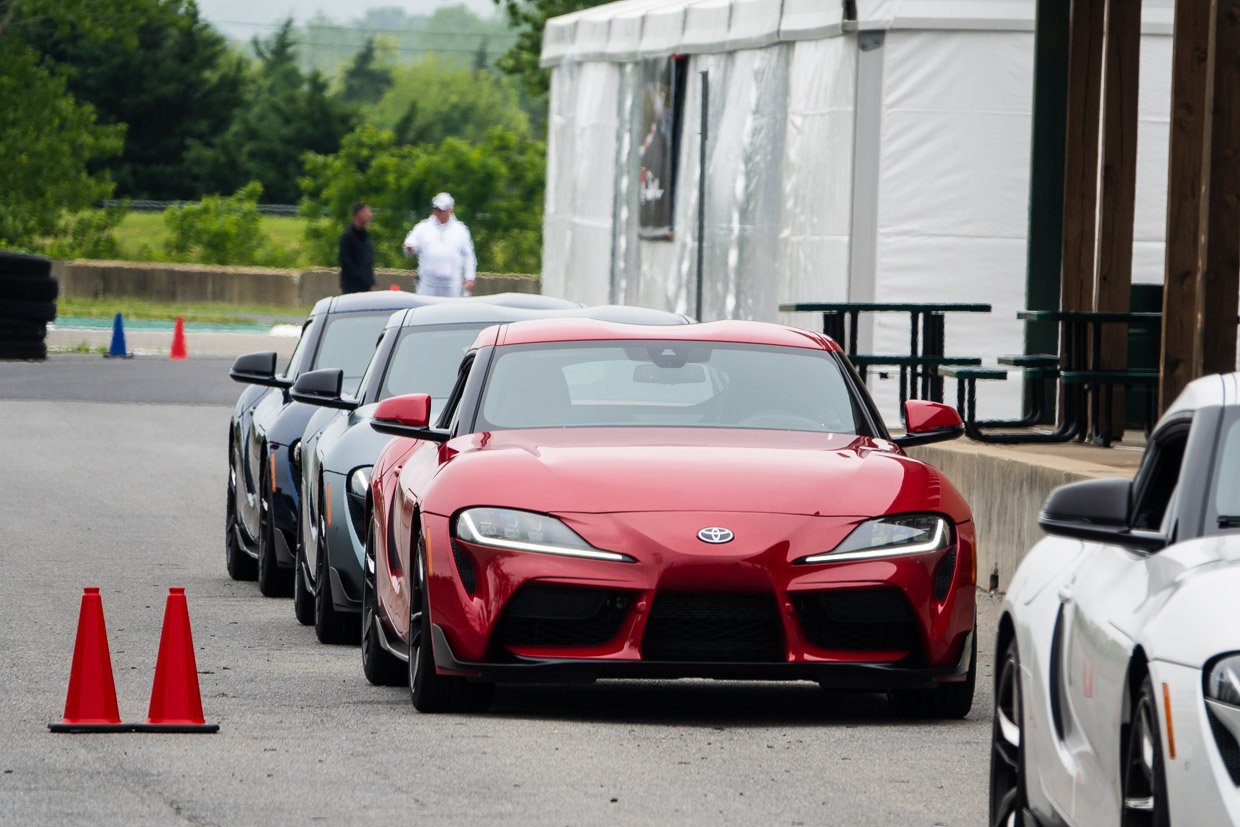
point(445, 251)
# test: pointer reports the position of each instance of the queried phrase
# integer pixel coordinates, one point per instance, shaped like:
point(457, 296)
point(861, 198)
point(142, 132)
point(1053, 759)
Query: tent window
point(662, 116)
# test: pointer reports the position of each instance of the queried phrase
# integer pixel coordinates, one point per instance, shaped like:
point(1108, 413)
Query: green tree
point(49, 137)
point(528, 18)
point(221, 230)
point(178, 87)
point(497, 182)
point(365, 79)
point(287, 114)
point(429, 102)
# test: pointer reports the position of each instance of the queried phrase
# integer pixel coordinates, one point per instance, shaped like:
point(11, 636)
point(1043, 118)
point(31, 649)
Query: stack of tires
point(27, 304)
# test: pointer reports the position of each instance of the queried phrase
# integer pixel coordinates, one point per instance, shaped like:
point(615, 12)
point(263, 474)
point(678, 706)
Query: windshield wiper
point(1229, 521)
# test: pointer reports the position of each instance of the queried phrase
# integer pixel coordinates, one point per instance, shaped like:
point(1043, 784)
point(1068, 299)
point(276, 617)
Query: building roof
point(627, 30)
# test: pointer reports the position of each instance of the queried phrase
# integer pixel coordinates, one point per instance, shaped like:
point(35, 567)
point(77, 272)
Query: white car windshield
point(676, 384)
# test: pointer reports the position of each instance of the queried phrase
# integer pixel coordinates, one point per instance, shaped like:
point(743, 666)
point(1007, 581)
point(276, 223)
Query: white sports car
point(1117, 677)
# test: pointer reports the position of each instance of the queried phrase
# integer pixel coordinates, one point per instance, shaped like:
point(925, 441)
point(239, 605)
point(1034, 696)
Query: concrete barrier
point(1006, 487)
point(161, 282)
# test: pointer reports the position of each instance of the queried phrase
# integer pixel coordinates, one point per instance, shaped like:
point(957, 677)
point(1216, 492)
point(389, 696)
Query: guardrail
point(140, 205)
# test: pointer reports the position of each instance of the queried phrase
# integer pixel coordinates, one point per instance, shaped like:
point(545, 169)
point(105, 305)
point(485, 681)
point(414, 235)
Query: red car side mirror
point(412, 410)
point(408, 416)
point(929, 422)
point(923, 417)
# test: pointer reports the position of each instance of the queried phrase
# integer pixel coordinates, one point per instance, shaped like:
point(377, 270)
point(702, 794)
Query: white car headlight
point(889, 537)
point(1223, 681)
point(527, 531)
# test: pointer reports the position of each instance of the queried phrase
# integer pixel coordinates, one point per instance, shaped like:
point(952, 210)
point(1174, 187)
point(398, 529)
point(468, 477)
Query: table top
point(895, 360)
point(880, 307)
point(1087, 316)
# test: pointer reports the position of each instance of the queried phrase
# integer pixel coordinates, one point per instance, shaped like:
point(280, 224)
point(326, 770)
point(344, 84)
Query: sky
point(246, 18)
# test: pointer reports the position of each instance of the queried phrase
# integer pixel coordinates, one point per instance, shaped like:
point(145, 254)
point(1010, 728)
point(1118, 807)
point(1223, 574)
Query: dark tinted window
point(1158, 477)
point(348, 342)
point(688, 384)
point(308, 331)
point(1225, 488)
point(426, 360)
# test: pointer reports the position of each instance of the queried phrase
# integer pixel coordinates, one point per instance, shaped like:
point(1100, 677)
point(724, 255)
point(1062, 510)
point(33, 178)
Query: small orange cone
point(90, 705)
point(394, 287)
point(178, 340)
point(176, 705)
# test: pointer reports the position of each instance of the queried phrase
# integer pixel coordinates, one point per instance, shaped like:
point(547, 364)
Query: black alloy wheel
point(947, 701)
point(430, 691)
point(303, 599)
point(1007, 745)
point(1145, 781)
point(380, 666)
point(239, 564)
point(330, 626)
point(272, 580)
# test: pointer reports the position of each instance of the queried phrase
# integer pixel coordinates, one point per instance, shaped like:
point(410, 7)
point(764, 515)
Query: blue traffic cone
point(118, 349)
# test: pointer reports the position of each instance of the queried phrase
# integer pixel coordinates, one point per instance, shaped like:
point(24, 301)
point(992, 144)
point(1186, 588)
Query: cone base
point(175, 727)
point(118, 356)
point(65, 726)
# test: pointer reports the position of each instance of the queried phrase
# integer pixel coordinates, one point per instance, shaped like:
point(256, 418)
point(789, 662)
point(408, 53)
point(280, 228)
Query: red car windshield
point(667, 384)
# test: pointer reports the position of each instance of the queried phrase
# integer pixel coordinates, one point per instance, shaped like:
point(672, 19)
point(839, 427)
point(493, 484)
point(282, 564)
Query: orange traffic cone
point(176, 705)
point(394, 287)
point(178, 340)
point(91, 703)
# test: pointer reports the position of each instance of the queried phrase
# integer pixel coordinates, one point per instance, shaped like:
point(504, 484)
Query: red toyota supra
point(719, 500)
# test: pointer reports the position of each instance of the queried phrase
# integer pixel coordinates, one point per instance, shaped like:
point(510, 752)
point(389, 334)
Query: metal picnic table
point(840, 321)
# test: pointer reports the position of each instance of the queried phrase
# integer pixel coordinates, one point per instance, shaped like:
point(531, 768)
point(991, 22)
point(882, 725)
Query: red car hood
point(609, 470)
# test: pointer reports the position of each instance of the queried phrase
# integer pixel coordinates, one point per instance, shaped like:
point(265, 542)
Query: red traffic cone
point(90, 705)
point(178, 340)
point(176, 705)
point(394, 287)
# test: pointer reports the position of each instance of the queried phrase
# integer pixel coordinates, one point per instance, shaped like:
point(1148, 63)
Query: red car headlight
point(515, 530)
point(890, 536)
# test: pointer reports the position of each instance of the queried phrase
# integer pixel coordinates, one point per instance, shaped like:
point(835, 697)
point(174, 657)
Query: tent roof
point(630, 29)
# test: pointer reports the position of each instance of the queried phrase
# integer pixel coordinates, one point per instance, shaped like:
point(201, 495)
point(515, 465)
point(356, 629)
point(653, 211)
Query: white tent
point(880, 158)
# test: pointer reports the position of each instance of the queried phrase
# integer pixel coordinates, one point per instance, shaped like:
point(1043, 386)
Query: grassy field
point(142, 235)
point(204, 312)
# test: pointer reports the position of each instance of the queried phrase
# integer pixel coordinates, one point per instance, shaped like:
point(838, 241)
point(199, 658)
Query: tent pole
point(701, 216)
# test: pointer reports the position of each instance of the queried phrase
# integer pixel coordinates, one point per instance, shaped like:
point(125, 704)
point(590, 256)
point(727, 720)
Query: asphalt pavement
point(113, 480)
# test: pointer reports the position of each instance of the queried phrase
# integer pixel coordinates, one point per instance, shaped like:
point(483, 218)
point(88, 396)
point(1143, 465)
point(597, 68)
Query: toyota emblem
point(715, 534)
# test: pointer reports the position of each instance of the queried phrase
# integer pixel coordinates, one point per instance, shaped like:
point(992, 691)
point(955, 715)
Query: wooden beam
point(1219, 286)
point(1081, 157)
point(1113, 283)
point(1185, 195)
point(1119, 162)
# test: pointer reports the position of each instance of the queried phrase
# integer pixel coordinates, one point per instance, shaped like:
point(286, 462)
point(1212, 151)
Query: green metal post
point(1046, 173)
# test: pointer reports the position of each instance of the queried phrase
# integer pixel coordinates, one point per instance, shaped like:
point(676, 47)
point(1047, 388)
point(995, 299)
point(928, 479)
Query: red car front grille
point(710, 627)
point(877, 620)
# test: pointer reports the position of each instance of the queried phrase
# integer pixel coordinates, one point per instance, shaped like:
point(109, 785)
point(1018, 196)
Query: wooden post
point(1119, 182)
point(1219, 286)
point(1185, 195)
point(1081, 161)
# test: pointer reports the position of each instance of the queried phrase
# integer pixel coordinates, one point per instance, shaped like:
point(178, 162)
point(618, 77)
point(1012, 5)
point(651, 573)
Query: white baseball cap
point(443, 201)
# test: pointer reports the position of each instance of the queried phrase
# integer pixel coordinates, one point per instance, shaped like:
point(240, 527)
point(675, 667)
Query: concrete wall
point(1006, 486)
point(238, 285)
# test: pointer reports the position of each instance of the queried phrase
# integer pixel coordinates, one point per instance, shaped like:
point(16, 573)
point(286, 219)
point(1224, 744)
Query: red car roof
point(587, 330)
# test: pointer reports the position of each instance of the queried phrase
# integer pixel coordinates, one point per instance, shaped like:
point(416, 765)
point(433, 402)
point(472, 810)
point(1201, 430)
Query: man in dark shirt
point(357, 257)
